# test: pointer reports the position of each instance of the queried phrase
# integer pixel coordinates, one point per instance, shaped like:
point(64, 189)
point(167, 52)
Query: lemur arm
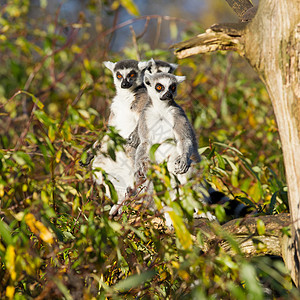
point(141, 99)
point(133, 140)
point(141, 156)
point(186, 142)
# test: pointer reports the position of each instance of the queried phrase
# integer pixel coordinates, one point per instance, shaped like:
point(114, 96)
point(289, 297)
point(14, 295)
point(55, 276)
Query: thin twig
point(135, 45)
point(158, 30)
point(145, 29)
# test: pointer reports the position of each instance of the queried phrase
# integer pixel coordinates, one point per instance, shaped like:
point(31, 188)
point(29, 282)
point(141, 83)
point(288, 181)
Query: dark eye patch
point(172, 87)
point(132, 74)
point(159, 87)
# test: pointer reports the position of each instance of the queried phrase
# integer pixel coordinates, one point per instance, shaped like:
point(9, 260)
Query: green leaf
point(152, 151)
point(220, 213)
point(112, 190)
point(246, 201)
point(182, 233)
point(43, 118)
point(272, 204)
point(51, 133)
point(22, 159)
point(134, 281)
point(111, 151)
point(221, 161)
point(39, 104)
point(5, 232)
point(211, 154)
point(253, 287)
point(229, 147)
point(261, 229)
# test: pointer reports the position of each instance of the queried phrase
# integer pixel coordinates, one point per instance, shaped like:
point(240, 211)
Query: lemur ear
point(173, 67)
point(148, 79)
point(142, 65)
point(151, 62)
point(110, 65)
point(180, 78)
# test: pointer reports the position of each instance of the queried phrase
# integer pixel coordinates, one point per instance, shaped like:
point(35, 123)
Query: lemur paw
point(182, 164)
point(88, 160)
point(133, 140)
point(141, 172)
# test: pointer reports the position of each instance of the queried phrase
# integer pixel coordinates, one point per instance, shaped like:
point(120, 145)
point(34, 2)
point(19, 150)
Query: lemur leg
point(120, 174)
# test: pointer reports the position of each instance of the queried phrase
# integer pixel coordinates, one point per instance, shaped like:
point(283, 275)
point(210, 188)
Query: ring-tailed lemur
point(163, 119)
point(125, 109)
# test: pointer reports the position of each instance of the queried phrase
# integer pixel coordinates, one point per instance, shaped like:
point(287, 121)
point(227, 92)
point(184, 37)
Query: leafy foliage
point(57, 239)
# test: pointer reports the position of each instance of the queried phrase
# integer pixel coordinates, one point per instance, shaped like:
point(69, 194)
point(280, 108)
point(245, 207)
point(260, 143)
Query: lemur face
point(127, 73)
point(162, 86)
point(159, 66)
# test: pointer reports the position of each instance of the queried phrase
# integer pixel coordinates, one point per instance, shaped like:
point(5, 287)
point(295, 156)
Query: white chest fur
point(160, 123)
point(125, 120)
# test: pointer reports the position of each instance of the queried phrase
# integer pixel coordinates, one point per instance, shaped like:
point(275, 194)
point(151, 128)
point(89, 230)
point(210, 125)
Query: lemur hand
point(133, 140)
point(182, 164)
point(141, 167)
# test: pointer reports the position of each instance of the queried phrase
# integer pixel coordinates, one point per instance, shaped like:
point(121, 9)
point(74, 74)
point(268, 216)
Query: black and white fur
point(137, 90)
point(163, 119)
point(131, 97)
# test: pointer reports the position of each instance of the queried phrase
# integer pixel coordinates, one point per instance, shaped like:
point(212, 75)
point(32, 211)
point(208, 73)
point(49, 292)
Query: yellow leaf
point(38, 228)
point(10, 261)
point(51, 133)
point(10, 291)
point(1, 190)
point(184, 275)
point(182, 233)
point(130, 7)
point(175, 264)
point(44, 197)
point(58, 156)
point(115, 5)
point(45, 234)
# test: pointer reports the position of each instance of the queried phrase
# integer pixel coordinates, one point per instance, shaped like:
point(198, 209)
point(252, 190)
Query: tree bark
point(271, 44)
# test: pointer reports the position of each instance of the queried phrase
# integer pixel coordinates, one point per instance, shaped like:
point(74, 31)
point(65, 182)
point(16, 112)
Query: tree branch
point(244, 231)
point(217, 37)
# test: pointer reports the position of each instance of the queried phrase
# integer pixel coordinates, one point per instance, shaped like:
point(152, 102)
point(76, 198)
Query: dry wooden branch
point(217, 37)
point(244, 231)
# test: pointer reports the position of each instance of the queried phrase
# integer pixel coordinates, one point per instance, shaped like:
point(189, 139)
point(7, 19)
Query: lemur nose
point(167, 96)
point(125, 84)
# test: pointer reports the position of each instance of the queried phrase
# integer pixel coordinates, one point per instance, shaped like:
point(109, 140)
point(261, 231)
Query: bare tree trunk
point(271, 44)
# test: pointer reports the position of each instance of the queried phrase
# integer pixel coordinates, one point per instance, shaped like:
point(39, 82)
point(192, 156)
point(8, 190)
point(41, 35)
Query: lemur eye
point(159, 87)
point(119, 76)
point(132, 74)
point(173, 87)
